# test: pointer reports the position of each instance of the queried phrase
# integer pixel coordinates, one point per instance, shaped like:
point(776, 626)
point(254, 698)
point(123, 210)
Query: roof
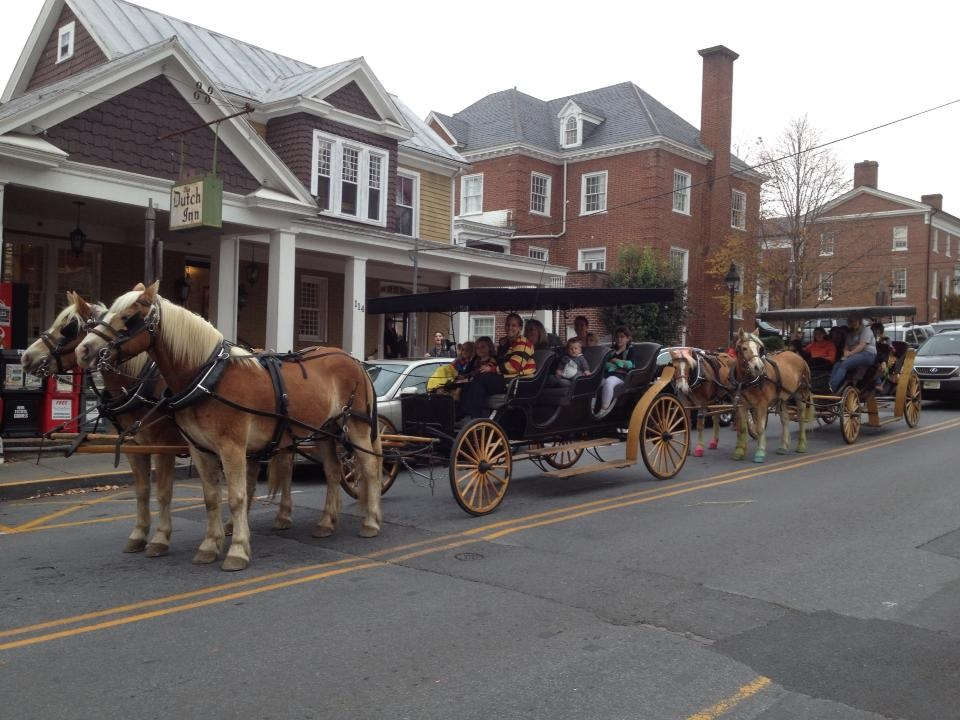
point(629, 115)
point(424, 139)
point(526, 298)
point(863, 311)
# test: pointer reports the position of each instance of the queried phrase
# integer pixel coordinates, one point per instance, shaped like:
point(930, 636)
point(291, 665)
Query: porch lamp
point(77, 236)
point(731, 280)
point(253, 270)
point(183, 287)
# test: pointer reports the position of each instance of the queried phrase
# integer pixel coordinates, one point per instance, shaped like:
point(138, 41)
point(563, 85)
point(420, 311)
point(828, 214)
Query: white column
point(2, 186)
point(355, 306)
point(546, 317)
point(461, 320)
point(223, 276)
point(281, 290)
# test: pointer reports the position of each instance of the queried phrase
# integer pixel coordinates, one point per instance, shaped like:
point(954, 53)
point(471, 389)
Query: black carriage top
point(522, 298)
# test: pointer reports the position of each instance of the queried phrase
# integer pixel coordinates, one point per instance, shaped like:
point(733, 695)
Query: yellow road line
point(60, 513)
point(466, 538)
point(97, 521)
point(66, 478)
point(727, 704)
point(5, 529)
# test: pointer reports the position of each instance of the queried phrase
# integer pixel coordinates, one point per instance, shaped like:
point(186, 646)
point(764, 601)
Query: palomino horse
point(126, 399)
point(230, 403)
point(704, 378)
point(763, 381)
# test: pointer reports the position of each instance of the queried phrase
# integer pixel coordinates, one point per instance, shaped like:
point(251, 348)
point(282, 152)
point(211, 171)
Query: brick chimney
point(865, 174)
point(934, 201)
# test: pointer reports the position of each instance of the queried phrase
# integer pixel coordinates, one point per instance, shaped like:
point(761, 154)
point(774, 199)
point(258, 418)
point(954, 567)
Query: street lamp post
point(732, 279)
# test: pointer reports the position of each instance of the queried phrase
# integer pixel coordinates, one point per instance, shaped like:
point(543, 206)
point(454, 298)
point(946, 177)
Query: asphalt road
point(821, 586)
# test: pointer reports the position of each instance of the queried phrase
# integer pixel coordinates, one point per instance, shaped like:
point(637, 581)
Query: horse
point(125, 400)
point(231, 403)
point(762, 381)
point(704, 379)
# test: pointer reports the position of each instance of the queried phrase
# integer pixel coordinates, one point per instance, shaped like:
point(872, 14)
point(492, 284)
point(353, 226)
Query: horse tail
point(273, 478)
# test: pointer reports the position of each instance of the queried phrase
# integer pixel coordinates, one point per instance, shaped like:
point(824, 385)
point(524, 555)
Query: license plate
point(931, 384)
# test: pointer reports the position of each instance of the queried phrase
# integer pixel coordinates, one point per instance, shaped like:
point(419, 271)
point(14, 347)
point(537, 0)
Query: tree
point(803, 179)
point(644, 268)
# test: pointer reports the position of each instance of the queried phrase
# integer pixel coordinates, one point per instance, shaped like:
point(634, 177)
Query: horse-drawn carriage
point(861, 393)
point(551, 426)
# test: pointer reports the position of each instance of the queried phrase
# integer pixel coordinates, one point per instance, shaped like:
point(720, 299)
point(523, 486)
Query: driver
point(860, 348)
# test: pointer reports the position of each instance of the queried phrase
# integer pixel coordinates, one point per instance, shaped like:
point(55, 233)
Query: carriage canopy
point(842, 313)
point(524, 298)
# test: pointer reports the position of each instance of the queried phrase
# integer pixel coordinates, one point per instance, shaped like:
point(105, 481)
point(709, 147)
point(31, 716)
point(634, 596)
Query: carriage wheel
point(480, 465)
point(665, 437)
point(350, 483)
point(850, 415)
point(562, 459)
point(911, 406)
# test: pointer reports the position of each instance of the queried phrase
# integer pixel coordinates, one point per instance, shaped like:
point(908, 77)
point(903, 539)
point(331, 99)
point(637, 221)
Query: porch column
point(461, 320)
point(2, 186)
point(281, 290)
point(223, 295)
point(355, 307)
point(546, 317)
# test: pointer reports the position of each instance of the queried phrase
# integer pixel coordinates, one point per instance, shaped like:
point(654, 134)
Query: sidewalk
point(23, 474)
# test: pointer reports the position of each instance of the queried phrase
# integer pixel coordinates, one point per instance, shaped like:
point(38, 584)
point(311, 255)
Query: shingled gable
point(49, 107)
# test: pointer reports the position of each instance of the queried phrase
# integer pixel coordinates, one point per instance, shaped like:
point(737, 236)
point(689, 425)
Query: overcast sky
point(848, 66)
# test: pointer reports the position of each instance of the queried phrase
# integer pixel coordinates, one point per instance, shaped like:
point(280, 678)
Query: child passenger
point(572, 365)
point(462, 363)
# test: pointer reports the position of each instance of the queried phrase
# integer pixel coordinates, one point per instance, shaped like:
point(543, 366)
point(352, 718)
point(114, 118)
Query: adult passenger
point(536, 333)
point(615, 368)
point(440, 347)
point(860, 350)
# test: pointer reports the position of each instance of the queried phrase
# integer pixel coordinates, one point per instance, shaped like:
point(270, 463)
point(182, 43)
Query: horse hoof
point(698, 452)
point(282, 524)
point(232, 563)
point(157, 550)
point(782, 451)
point(801, 449)
point(713, 445)
point(322, 532)
point(759, 457)
point(204, 557)
point(737, 456)
point(369, 532)
point(133, 546)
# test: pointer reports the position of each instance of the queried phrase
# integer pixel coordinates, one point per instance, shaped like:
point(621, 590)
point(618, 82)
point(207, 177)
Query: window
point(827, 240)
point(935, 285)
point(349, 179)
point(592, 259)
point(738, 290)
point(571, 132)
point(738, 210)
point(407, 201)
point(946, 245)
point(900, 238)
point(825, 287)
point(481, 325)
point(935, 243)
point(65, 41)
point(900, 283)
point(538, 253)
point(593, 193)
point(313, 309)
point(471, 194)
point(540, 194)
point(680, 261)
point(681, 192)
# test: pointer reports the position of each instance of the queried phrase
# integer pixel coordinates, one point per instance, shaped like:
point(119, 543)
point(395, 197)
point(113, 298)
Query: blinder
point(133, 326)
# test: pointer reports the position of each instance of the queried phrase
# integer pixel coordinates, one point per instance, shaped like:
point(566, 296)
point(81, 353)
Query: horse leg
point(715, 442)
point(209, 469)
point(140, 466)
point(279, 479)
point(698, 450)
point(741, 448)
point(760, 418)
point(368, 461)
point(802, 412)
point(160, 542)
point(235, 471)
point(331, 505)
point(784, 412)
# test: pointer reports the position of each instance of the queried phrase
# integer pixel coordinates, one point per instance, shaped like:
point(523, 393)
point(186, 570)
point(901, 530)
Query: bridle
point(743, 362)
point(134, 325)
point(71, 334)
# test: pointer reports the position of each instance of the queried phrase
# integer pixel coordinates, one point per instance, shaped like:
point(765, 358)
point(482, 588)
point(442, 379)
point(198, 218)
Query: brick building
point(331, 184)
point(572, 180)
point(869, 245)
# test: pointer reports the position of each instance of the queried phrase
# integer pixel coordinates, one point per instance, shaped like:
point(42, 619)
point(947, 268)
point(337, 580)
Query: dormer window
point(571, 132)
point(65, 41)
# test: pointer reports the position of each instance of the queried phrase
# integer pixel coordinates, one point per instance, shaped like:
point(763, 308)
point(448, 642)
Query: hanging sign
point(196, 202)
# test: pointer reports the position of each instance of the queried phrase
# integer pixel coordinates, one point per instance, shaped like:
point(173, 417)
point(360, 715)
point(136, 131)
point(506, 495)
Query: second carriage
point(551, 426)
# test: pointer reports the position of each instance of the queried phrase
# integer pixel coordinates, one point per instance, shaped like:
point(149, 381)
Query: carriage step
point(584, 469)
point(566, 447)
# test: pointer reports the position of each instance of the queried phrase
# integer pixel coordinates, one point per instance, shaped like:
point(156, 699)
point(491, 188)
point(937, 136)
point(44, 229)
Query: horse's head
point(750, 352)
point(126, 330)
point(682, 360)
point(58, 343)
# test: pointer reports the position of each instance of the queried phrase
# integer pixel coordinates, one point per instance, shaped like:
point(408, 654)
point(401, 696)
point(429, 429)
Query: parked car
point(912, 334)
point(394, 378)
point(944, 325)
point(938, 366)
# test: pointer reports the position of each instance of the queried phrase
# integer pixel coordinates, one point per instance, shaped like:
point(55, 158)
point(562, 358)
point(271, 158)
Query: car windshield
point(384, 375)
point(940, 345)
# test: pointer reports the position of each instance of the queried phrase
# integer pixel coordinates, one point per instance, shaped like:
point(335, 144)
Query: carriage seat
point(596, 356)
point(525, 389)
point(644, 357)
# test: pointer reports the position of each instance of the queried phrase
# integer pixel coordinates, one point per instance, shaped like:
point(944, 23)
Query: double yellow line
point(247, 587)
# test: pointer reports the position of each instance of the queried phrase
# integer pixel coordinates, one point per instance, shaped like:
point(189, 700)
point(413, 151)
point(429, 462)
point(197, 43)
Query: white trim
point(473, 334)
point(547, 193)
point(683, 192)
point(70, 31)
point(433, 117)
point(323, 109)
point(581, 260)
point(828, 252)
point(825, 280)
point(463, 185)
point(654, 143)
point(604, 192)
point(864, 190)
point(543, 254)
point(905, 239)
point(684, 261)
point(893, 274)
point(339, 146)
point(415, 176)
point(734, 194)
